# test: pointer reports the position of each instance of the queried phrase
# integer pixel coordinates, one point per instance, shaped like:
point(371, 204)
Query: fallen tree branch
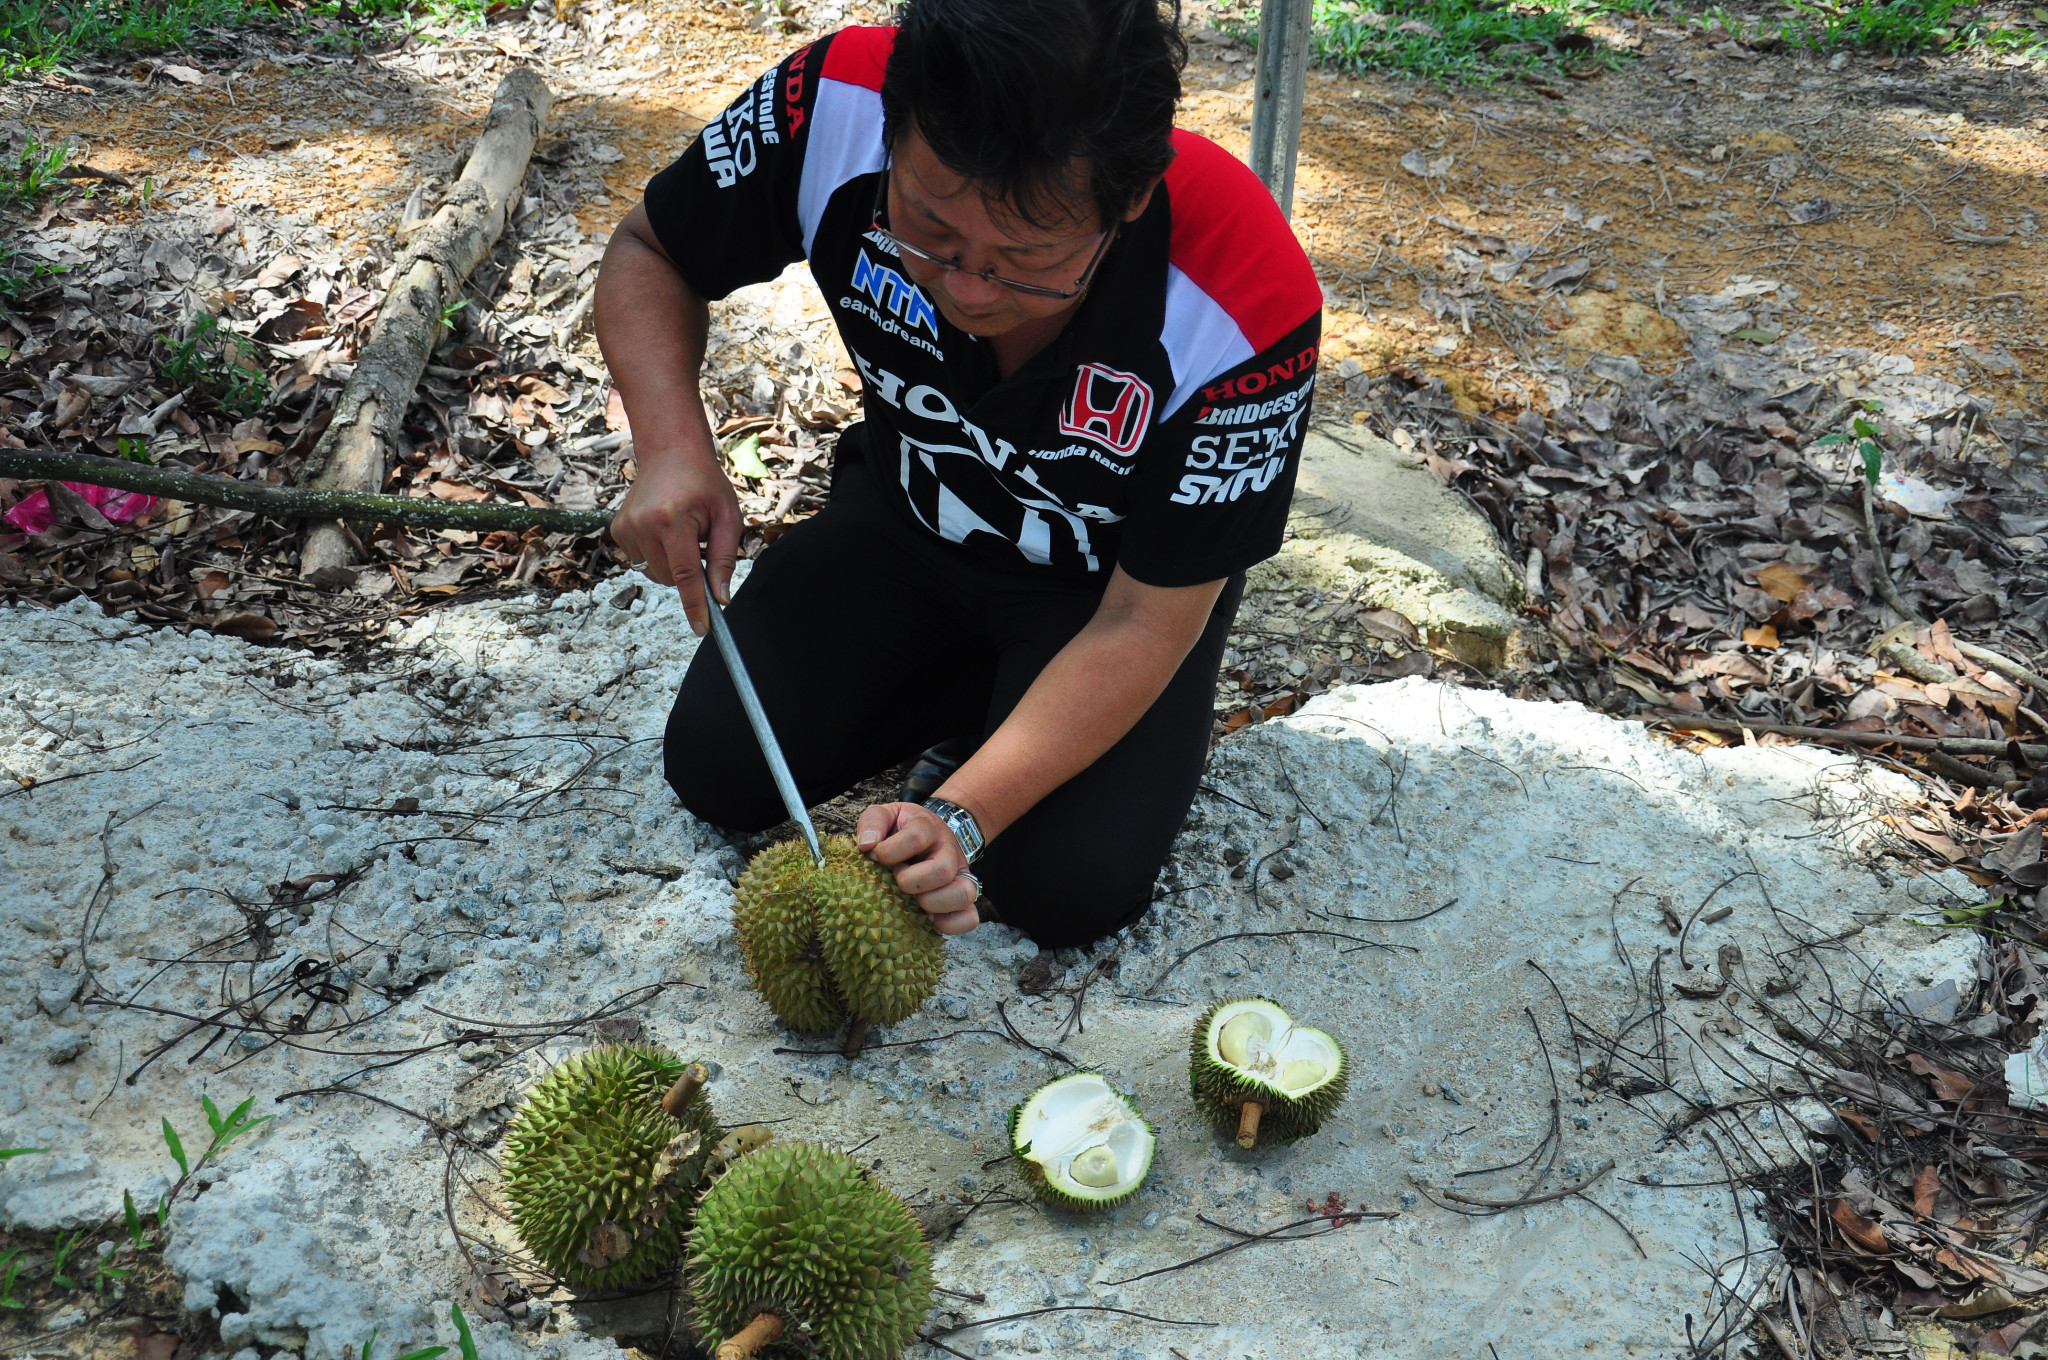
point(281, 502)
point(2003, 664)
point(365, 434)
point(1954, 746)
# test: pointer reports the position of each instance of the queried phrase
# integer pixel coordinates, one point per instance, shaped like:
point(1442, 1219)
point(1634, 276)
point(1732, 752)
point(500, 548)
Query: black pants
point(870, 641)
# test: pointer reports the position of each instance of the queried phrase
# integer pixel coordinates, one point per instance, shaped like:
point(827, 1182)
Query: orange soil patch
point(1671, 176)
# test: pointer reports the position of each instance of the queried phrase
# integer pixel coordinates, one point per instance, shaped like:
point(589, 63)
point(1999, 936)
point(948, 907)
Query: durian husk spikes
point(599, 1175)
point(799, 1233)
point(762, 1331)
point(1260, 1076)
point(822, 945)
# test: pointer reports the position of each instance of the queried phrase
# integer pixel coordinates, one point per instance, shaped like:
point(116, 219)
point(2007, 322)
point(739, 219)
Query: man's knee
point(718, 783)
point(1063, 903)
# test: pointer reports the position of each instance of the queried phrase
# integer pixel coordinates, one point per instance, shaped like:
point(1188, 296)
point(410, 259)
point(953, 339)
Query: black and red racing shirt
point(1160, 431)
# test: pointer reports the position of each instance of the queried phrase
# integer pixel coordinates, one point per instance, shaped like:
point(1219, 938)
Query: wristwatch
point(961, 823)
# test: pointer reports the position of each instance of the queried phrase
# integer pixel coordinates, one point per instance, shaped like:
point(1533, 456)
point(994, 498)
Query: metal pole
point(1276, 98)
point(757, 718)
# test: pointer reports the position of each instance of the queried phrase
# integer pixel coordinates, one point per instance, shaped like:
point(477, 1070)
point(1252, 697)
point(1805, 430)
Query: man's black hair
point(1018, 94)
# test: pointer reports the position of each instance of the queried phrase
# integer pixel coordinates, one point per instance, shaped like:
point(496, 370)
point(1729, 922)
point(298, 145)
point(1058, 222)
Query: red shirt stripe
point(858, 56)
point(1230, 239)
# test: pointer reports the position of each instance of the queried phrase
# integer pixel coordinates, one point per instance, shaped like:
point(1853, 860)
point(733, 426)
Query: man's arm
point(1081, 704)
point(652, 327)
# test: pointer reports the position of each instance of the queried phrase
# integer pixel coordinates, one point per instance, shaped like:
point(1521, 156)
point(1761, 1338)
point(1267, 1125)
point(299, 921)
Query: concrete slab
point(1411, 848)
point(1361, 503)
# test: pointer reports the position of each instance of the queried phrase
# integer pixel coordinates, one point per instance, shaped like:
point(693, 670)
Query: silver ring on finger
point(977, 886)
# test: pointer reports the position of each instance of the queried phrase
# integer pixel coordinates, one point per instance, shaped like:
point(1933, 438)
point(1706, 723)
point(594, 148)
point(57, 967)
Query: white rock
point(1552, 827)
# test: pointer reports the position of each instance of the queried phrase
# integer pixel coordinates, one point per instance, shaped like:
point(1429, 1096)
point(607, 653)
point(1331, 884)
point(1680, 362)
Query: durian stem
point(1248, 1124)
point(760, 1332)
point(856, 1036)
point(685, 1090)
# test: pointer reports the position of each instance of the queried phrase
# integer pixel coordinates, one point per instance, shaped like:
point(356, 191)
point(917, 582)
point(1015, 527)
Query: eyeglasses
point(880, 226)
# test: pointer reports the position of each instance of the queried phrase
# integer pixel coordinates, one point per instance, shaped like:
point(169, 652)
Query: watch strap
point(961, 823)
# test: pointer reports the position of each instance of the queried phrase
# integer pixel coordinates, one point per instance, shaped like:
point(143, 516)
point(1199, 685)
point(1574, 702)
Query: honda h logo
point(894, 294)
point(1109, 406)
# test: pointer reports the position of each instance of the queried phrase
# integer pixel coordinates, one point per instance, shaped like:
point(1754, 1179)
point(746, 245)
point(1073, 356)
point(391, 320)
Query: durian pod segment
point(599, 1177)
point(778, 931)
point(1249, 1050)
point(1082, 1145)
point(799, 1232)
point(824, 944)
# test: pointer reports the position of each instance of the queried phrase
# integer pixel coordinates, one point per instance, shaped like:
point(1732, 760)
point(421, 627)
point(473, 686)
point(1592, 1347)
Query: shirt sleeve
point(726, 210)
point(1212, 499)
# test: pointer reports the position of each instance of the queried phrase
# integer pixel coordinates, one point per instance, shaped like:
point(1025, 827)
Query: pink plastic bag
point(33, 516)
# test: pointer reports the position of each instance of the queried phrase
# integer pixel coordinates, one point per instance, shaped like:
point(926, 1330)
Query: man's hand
point(678, 515)
point(929, 863)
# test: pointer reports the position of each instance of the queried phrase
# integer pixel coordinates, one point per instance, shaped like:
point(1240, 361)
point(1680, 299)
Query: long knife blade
point(757, 718)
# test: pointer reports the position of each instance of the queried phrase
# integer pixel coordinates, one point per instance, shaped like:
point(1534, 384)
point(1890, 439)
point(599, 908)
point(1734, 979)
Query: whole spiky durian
point(1247, 1050)
point(800, 1233)
point(1082, 1145)
point(599, 1175)
point(823, 944)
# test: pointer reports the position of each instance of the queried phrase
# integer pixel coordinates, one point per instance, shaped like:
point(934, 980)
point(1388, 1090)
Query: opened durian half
point(1081, 1144)
point(825, 944)
point(604, 1159)
point(1259, 1075)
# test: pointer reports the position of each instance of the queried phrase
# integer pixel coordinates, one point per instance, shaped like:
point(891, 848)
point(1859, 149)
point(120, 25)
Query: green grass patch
point(30, 173)
point(1476, 42)
point(214, 363)
point(36, 35)
point(1486, 42)
point(19, 277)
point(1898, 26)
point(39, 35)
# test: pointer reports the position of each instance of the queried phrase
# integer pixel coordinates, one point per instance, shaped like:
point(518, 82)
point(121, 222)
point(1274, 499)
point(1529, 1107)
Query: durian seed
point(1238, 1036)
point(1302, 1073)
point(1095, 1168)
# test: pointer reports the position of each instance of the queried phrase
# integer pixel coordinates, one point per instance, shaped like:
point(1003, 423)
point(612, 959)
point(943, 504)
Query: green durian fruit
point(1081, 1144)
point(800, 1232)
point(1247, 1050)
point(599, 1176)
point(823, 944)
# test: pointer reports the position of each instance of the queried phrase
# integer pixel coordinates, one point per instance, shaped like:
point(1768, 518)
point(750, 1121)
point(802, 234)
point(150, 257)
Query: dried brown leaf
point(1949, 1086)
point(1860, 1231)
point(1780, 581)
point(247, 625)
point(1389, 626)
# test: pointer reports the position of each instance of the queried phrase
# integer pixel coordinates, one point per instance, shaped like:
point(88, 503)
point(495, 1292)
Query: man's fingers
point(957, 922)
point(951, 907)
point(722, 549)
point(875, 823)
point(929, 875)
point(916, 838)
point(687, 576)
